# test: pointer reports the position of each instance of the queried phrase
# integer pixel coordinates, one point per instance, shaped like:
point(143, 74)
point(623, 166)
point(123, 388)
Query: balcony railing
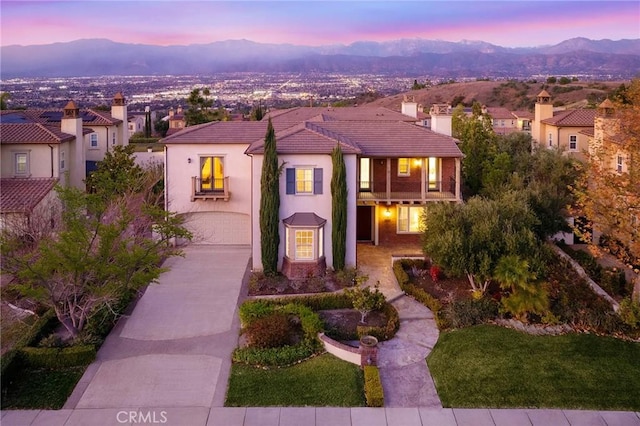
point(377, 191)
point(210, 189)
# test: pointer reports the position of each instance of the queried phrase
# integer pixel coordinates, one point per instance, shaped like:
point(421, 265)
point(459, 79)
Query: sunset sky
point(161, 22)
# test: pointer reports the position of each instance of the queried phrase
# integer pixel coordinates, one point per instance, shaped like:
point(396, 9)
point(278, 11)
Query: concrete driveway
point(174, 350)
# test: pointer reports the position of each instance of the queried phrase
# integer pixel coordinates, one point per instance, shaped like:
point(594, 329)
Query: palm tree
point(526, 295)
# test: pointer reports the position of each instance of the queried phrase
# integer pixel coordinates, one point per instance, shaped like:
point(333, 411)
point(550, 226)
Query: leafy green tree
point(477, 144)
point(161, 127)
point(270, 204)
point(103, 250)
point(469, 239)
point(257, 113)
point(339, 209)
point(4, 97)
point(116, 174)
point(364, 300)
point(525, 295)
point(201, 108)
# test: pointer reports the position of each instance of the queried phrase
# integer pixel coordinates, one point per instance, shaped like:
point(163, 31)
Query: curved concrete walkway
point(405, 377)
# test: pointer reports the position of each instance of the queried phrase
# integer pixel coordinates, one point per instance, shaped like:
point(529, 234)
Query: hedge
point(58, 357)
point(373, 386)
point(10, 361)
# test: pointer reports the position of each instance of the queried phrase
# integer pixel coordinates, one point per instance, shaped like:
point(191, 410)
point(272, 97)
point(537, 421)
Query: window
point(404, 167)
point(113, 138)
point(94, 140)
point(409, 219)
point(211, 174)
point(434, 174)
point(365, 174)
point(304, 245)
point(304, 180)
point(304, 237)
point(21, 164)
point(62, 160)
point(619, 163)
point(573, 142)
point(550, 139)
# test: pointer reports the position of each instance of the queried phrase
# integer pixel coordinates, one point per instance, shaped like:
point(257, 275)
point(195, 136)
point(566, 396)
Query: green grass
point(321, 381)
point(489, 366)
point(41, 388)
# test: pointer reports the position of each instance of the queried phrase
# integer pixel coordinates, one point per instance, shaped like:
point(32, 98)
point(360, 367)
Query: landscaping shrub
point(388, 330)
point(276, 357)
point(465, 313)
point(100, 323)
point(373, 386)
point(630, 313)
point(58, 357)
point(254, 309)
point(614, 282)
point(269, 332)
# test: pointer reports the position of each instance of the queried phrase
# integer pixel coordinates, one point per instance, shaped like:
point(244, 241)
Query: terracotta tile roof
point(242, 132)
point(304, 219)
point(524, 114)
point(588, 132)
point(12, 133)
point(500, 113)
point(22, 195)
point(282, 119)
point(572, 118)
point(306, 138)
point(370, 138)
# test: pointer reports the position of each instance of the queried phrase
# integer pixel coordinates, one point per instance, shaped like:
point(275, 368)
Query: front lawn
point(42, 388)
point(490, 366)
point(321, 381)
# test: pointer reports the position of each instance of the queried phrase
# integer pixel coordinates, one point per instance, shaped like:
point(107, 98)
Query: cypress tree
point(270, 204)
point(339, 209)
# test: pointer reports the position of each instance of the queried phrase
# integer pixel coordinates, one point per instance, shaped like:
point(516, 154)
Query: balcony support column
point(423, 180)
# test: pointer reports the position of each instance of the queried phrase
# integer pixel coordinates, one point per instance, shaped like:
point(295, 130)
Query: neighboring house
point(523, 120)
point(393, 169)
point(43, 147)
point(562, 129)
point(503, 121)
point(137, 119)
point(177, 120)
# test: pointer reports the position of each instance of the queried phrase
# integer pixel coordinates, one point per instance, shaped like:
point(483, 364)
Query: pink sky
point(506, 23)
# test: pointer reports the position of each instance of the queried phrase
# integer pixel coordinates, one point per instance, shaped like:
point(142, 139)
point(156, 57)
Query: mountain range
point(405, 57)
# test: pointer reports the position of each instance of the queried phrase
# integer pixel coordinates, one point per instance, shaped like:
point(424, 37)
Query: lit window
point(304, 181)
point(365, 174)
point(404, 167)
point(409, 219)
point(434, 174)
point(304, 244)
point(211, 174)
point(21, 164)
point(573, 142)
point(94, 140)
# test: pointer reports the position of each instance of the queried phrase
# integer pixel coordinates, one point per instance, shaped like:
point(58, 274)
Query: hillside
point(509, 94)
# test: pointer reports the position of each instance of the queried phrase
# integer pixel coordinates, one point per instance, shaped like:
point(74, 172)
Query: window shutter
point(291, 181)
point(317, 181)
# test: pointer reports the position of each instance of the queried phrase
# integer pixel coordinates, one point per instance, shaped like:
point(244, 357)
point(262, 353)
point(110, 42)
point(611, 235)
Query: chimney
point(71, 123)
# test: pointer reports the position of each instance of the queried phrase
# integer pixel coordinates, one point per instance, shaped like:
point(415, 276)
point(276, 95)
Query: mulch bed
point(260, 285)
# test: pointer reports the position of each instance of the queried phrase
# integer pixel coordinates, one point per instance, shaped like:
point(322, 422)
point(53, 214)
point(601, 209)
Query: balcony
point(216, 189)
point(413, 192)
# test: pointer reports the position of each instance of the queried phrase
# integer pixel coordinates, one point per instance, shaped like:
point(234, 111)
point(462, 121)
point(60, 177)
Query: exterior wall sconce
point(189, 160)
point(417, 162)
point(387, 213)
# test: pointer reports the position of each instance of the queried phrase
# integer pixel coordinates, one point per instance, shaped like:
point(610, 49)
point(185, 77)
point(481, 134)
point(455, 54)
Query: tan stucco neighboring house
point(562, 129)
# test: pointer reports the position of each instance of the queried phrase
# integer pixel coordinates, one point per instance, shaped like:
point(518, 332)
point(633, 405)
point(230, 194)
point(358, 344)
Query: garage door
point(219, 228)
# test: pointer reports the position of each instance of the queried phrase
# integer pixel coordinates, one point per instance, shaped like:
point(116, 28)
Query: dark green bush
point(465, 313)
point(105, 317)
point(388, 330)
point(373, 386)
point(614, 282)
point(276, 357)
point(269, 332)
point(58, 357)
point(255, 309)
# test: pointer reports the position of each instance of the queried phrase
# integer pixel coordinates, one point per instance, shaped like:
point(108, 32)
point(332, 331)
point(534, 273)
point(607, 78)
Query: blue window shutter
point(291, 181)
point(317, 181)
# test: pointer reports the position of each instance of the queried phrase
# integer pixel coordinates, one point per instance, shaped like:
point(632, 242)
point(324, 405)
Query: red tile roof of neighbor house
point(523, 114)
point(15, 133)
point(223, 132)
point(500, 113)
point(572, 118)
point(19, 195)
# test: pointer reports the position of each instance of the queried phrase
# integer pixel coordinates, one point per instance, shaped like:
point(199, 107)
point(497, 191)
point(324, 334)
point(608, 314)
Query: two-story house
point(394, 168)
point(40, 148)
point(562, 129)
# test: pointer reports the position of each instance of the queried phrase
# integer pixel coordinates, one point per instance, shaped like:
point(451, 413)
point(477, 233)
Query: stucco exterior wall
point(41, 159)
point(319, 204)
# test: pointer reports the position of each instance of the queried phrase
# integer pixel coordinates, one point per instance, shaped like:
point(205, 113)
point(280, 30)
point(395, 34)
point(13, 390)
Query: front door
point(364, 225)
